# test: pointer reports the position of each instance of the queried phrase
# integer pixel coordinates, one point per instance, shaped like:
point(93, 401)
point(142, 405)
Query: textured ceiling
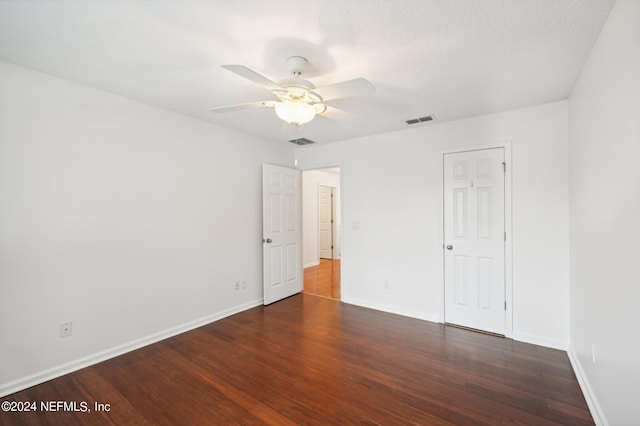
point(447, 58)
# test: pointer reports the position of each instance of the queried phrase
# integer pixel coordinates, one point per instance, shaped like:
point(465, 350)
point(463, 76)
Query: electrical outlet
point(65, 329)
point(386, 285)
point(244, 284)
point(236, 286)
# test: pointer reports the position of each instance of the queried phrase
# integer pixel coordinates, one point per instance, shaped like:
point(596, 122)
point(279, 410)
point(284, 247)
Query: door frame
point(508, 246)
point(319, 165)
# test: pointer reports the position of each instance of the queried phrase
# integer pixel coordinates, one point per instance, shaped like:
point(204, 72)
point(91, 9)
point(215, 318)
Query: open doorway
point(321, 227)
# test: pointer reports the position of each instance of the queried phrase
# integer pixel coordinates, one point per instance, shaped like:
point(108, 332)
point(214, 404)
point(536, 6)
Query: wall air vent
point(302, 141)
point(419, 120)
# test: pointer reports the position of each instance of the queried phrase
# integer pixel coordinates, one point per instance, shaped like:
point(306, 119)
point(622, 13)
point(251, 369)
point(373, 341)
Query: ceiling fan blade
point(343, 117)
point(243, 106)
point(253, 76)
point(357, 86)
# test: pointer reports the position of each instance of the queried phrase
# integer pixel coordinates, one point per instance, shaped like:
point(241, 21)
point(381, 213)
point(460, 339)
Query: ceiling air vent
point(302, 141)
point(419, 120)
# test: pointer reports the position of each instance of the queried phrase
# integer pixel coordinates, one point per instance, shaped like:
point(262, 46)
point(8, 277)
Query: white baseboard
point(390, 309)
point(521, 337)
point(309, 265)
point(61, 370)
point(587, 391)
point(540, 341)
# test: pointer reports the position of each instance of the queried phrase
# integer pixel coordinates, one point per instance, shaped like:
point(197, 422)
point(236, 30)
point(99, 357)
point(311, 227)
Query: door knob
point(449, 247)
point(268, 240)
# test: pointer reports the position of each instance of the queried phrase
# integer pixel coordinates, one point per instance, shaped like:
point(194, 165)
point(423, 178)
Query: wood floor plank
point(323, 279)
point(317, 361)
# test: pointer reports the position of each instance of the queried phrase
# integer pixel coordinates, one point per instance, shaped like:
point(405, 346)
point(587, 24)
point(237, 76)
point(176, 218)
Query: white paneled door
point(474, 239)
point(325, 219)
point(282, 237)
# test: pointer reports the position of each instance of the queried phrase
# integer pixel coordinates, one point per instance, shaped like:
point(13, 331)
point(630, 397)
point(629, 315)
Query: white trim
point(311, 265)
point(587, 391)
point(69, 367)
point(328, 165)
point(335, 228)
point(508, 212)
point(390, 309)
point(540, 341)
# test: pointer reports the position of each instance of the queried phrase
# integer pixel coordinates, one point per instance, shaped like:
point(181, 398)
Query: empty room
point(319, 212)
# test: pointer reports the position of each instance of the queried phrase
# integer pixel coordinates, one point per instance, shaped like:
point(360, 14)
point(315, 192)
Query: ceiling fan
point(299, 101)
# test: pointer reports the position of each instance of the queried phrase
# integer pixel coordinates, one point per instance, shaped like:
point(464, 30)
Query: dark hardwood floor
point(312, 360)
point(323, 279)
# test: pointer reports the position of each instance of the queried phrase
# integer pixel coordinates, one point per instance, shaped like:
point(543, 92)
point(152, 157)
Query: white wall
point(131, 221)
point(391, 185)
point(604, 113)
point(311, 180)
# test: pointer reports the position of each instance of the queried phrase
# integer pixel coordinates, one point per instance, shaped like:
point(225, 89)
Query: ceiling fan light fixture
point(298, 99)
point(295, 113)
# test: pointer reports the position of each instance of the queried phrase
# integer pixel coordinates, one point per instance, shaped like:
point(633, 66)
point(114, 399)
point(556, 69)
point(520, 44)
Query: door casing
point(338, 249)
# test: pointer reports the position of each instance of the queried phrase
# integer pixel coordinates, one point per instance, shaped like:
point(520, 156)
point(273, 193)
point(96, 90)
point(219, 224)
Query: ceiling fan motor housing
point(298, 90)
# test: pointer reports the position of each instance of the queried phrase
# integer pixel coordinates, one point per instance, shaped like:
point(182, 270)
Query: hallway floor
point(323, 279)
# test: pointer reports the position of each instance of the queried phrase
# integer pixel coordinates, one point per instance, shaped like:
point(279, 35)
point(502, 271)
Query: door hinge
point(331, 220)
point(505, 235)
point(504, 167)
point(505, 305)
